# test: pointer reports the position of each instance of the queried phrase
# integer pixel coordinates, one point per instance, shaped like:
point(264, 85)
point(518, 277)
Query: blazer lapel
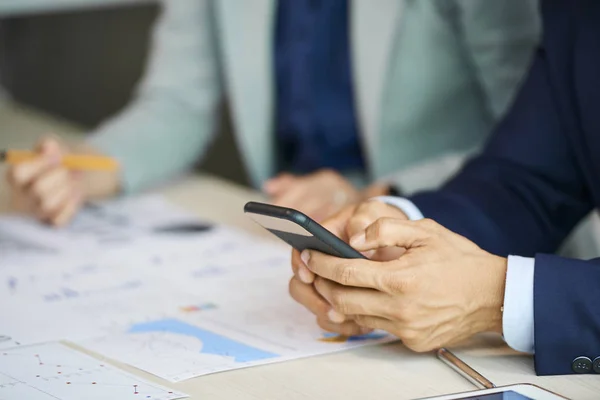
point(246, 32)
point(373, 28)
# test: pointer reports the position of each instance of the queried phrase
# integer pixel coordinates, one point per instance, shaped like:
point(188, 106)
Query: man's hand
point(443, 289)
point(355, 218)
point(318, 195)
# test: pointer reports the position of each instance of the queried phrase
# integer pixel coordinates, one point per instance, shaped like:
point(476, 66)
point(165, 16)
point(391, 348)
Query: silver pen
point(464, 369)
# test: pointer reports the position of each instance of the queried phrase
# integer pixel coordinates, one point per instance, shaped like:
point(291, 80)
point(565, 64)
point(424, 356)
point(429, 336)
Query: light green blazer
point(431, 79)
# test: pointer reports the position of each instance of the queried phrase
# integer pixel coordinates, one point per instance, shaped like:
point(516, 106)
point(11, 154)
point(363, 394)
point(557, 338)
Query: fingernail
point(336, 317)
point(305, 257)
point(358, 240)
point(305, 275)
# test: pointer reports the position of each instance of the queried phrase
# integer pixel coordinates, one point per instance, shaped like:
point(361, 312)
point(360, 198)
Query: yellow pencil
point(70, 161)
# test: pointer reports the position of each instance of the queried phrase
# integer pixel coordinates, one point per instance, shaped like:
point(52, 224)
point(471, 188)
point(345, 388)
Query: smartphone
point(298, 230)
point(512, 392)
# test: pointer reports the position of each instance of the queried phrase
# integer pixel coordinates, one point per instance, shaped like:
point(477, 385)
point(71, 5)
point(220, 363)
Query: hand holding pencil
point(52, 184)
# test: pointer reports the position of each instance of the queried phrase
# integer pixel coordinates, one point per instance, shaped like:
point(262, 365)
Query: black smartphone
point(298, 230)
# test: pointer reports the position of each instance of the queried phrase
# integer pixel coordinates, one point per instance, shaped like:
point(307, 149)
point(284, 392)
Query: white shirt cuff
point(518, 319)
point(406, 206)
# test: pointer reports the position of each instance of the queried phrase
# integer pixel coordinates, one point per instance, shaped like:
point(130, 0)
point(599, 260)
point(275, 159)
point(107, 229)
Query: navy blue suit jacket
point(538, 176)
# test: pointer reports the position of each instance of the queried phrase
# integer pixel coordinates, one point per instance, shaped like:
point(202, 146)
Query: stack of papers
point(175, 304)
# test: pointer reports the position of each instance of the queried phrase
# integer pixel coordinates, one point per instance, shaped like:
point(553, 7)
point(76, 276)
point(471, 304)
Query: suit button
point(596, 365)
point(582, 365)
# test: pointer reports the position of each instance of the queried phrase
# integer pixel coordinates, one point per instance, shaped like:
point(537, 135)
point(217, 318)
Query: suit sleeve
point(169, 123)
point(523, 195)
point(525, 192)
point(566, 299)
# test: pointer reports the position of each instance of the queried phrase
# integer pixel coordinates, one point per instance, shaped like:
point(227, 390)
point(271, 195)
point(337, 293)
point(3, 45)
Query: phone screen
point(509, 395)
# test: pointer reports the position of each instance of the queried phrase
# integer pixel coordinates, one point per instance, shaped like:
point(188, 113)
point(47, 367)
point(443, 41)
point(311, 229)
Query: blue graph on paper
point(212, 343)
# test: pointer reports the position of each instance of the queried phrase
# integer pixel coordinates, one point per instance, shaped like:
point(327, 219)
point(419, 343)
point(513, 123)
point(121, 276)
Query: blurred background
point(60, 57)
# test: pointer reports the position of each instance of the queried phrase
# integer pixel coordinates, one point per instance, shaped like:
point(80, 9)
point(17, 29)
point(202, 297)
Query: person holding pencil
point(327, 97)
point(51, 184)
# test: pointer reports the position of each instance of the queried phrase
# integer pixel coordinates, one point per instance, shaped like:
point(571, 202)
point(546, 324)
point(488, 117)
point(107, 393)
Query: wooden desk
point(377, 372)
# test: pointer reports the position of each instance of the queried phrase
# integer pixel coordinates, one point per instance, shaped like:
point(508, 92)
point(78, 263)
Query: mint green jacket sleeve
point(170, 121)
point(498, 38)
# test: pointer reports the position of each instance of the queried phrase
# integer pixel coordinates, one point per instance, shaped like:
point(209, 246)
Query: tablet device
point(298, 230)
point(512, 392)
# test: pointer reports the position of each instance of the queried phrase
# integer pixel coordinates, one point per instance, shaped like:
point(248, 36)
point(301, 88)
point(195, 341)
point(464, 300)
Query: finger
point(388, 232)
point(385, 254)
point(347, 328)
point(277, 184)
point(22, 175)
point(336, 224)
point(351, 300)
point(300, 269)
point(348, 272)
point(50, 153)
point(48, 182)
point(67, 213)
point(375, 323)
point(50, 205)
point(367, 213)
point(309, 298)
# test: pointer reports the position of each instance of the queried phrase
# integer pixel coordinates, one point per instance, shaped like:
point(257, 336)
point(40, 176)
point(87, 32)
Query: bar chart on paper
point(53, 371)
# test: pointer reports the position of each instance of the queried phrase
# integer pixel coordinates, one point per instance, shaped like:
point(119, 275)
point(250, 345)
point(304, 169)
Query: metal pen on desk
point(464, 369)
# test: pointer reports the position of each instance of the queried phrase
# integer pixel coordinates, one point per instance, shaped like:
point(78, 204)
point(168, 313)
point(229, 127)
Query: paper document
point(53, 371)
point(178, 305)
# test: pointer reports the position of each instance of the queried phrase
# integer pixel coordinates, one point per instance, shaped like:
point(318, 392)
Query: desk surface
point(382, 372)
